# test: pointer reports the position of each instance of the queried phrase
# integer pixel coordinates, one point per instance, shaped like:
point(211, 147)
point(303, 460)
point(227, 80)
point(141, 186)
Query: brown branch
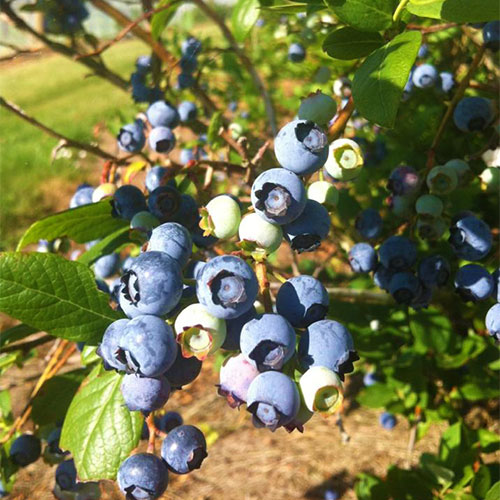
point(264, 287)
point(27, 346)
point(431, 29)
point(338, 126)
point(95, 150)
point(245, 60)
point(97, 67)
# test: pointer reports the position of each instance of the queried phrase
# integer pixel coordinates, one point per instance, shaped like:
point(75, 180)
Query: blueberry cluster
point(63, 16)
point(141, 92)
point(188, 63)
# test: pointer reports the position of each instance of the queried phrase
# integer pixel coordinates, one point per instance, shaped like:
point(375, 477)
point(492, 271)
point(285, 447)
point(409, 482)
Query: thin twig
point(150, 422)
point(338, 126)
point(264, 287)
point(27, 346)
point(431, 29)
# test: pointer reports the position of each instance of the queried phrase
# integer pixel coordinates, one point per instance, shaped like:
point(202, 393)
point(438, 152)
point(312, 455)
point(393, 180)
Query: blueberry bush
point(360, 135)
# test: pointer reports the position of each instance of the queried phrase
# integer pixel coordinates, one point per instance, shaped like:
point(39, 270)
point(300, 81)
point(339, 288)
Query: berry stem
point(338, 126)
point(261, 272)
point(399, 10)
point(150, 422)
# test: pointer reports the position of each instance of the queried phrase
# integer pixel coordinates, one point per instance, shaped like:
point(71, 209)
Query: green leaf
point(245, 14)
point(489, 441)
point(347, 43)
point(376, 396)
point(160, 20)
point(15, 334)
point(54, 295)
point(378, 84)
point(106, 246)
point(99, 430)
point(481, 482)
point(213, 129)
point(364, 15)
point(432, 331)
point(493, 492)
point(370, 487)
point(53, 400)
point(81, 224)
point(457, 11)
point(449, 447)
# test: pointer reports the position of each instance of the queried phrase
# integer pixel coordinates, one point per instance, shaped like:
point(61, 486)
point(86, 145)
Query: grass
point(59, 93)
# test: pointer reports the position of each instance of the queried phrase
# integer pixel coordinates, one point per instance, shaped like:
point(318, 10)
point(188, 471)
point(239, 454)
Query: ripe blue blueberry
point(327, 343)
point(187, 111)
point(302, 300)
point(370, 378)
point(164, 203)
point(131, 137)
point(363, 258)
point(387, 420)
point(169, 421)
point(127, 201)
point(403, 180)
point(162, 114)
point(25, 450)
point(53, 443)
point(66, 475)
point(278, 196)
point(306, 232)
point(236, 375)
point(301, 147)
point(143, 64)
point(491, 35)
point(233, 329)
point(190, 47)
point(382, 277)
point(397, 253)
point(473, 114)
point(156, 177)
point(147, 346)
point(423, 297)
point(273, 400)
point(268, 341)
point(153, 285)
point(107, 265)
point(183, 370)
point(496, 283)
point(434, 270)
point(425, 76)
point(187, 213)
point(474, 283)
point(185, 80)
point(188, 64)
point(493, 321)
point(369, 223)
point(186, 155)
point(161, 140)
point(145, 394)
point(82, 196)
point(174, 240)
point(470, 238)
point(143, 476)
point(331, 495)
point(404, 287)
point(184, 449)
point(108, 348)
point(227, 286)
point(296, 52)
point(447, 81)
point(423, 51)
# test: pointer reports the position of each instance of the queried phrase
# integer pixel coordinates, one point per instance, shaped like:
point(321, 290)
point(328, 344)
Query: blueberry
point(66, 475)
point(162, 114)
point(496, 283)
point(301, 147)
point(227, 286)
point(25, 450)
point(268, 341)
point(425, 76)
point(401, 206)
point(318, 108)
point(369, 223)
point(221, 217)
point(474, 283)
point(342, 87)
point(387, 420)
point(470, 238)
point(45, 246)
point(363, 258)
point(345, 160)
point(142, 476)
point(142, 225)
point(403, 180)
point(273, 400)
point(161, 140)
point(186, 155)
point(404, 287)
point(397, 253)
point(131, 137)
point(193, 269)
point(147, 346)
point(183, 370)
point(296, 52)
point(462, 170)
point(302, 300)
point(53, 443)
point(187, 213)
point(156, 177)
point(430, 228)
point(423, 297)
point(174, 240)
point(236, 375)
point(145, 394)
point(278, 196)
point(187, 111)
point(429, 206)
point(184, 449)
point(127, 201)
point(164, 203)
point(233, 329)
point(199, 239)
point(423, 51)
point(82, 196)
point(188, 64)
point(382, 277)
point(370, 378)
point(493, 321)
point(327, 343)
point(306, 232)
point(108, 348)
point(143, 64)
point(261, 235)
point(434, 270)
point(323, 192)
point(198, 332)
point(447, 81)
point(473, 114)
point(153, 285)
point(233, 106)
point(442, 180)
point(185, 81)
point(331, 495)
point(190, 47)
point(107, 265)
point(322, 390)
point(491, 35)
point(169, 421)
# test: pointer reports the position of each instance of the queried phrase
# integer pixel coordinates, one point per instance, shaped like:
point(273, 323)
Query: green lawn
point(58, 92)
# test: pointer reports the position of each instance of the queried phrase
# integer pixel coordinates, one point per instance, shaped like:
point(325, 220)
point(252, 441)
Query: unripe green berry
point(431, 228)
point(345, 159)
point(236, 130)
point(221, 217)
point(318, 107)
point(102, 191)
point(253, 228)
point(322, 390)
point(442, 180)
point(144, 221)
point(323, 192)
point(429, 205)
point(462, 169)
